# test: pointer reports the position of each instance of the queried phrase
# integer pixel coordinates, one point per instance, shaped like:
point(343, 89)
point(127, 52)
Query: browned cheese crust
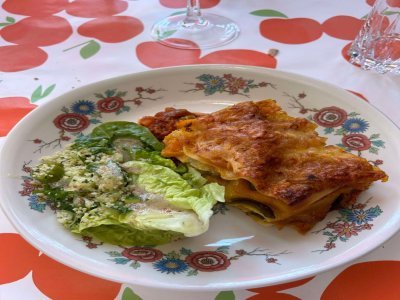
point(288, 165)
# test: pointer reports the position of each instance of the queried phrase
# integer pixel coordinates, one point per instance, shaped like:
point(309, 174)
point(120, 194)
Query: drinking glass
point(377, 46)
point(194, 29)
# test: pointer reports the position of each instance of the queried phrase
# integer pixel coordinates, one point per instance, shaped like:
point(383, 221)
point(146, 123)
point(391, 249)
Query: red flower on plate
point(330, 116)
point(71, 122)
point(241, 252)
point(234, 84)
point(208, 261)
point(110, 104)
point(27, 188)
point(329, 246)
point(142, 254)
point(346, 229)
point(356, 141)
point(271, 260)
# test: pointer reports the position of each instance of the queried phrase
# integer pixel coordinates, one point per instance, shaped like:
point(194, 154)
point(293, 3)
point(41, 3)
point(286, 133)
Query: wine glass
point(194, 29)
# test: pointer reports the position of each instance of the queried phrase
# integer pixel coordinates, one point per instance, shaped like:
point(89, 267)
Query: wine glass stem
point(193, 13)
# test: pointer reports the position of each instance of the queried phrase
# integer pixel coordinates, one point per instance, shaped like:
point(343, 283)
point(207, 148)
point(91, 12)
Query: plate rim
point(74, 262)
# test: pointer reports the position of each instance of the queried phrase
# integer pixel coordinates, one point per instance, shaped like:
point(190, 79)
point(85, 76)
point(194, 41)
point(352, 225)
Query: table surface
point(49, 47)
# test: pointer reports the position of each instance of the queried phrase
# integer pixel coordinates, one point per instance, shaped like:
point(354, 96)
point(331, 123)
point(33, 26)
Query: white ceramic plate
point(236, 252)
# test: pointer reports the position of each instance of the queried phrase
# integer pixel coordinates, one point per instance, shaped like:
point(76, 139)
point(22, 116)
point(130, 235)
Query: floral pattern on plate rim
point(232, 85)
point(349, 125)
point(82, 113)
point(78, 116)
point(350, 222)
point(187, 261)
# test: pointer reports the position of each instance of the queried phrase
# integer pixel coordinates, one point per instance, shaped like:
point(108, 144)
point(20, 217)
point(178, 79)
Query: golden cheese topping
point(282, 158)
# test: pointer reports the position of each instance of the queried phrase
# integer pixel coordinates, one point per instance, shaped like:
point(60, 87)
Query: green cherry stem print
point(8, 21)
point(280, 28)
point(38, 31)
point(106, 29)
point(88, 48)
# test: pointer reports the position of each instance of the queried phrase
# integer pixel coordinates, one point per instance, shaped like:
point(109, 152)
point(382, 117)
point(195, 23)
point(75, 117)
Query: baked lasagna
point(275, 168)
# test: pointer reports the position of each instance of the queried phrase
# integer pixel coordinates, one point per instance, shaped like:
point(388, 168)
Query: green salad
point(114, 185)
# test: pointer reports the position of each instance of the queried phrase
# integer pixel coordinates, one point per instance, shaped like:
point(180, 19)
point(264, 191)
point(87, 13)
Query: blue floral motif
point(360, 216)
point(185, 260)
point(83, 107)
point(171, 265)
point(35, 204)
point(227, 83)
point(212, 84)
point(350, 222)
point(355, 125)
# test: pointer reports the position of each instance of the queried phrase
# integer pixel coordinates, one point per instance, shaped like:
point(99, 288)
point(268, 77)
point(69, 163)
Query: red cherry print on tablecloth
point(393, 3)
point(60, 282)
point(342, 27)
point(113, 29)
point(156, 55)
point(96, 8)
point(182, 3)
point(53, 279)
point(34, 8)
point(13, 109)
point(17, 258)
point(291, 31)
point(240, 57)
point(38, 31)
point(16, 58)
point(367, 280)
point(276, 292)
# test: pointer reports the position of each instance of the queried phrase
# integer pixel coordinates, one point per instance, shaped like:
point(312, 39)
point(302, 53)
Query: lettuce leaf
point(194, 177)
point(157, 201)
point(102, 137)
point(163, 183)
point(155, 158)
point(108, 225)
point(171, 208)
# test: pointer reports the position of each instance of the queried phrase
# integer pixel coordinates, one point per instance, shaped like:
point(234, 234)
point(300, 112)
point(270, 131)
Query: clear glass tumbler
point(377, 46)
